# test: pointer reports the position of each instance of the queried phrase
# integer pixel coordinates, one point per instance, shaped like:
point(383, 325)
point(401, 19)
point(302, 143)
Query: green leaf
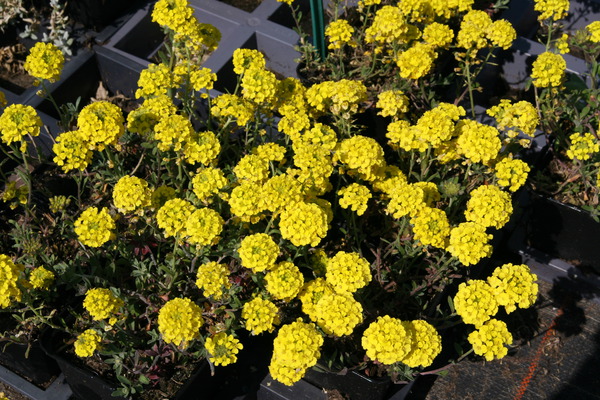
point(124, 380)
point(143, 379)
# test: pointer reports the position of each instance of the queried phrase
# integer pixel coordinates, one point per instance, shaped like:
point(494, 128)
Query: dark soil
point(12, 74)
point(246, 5)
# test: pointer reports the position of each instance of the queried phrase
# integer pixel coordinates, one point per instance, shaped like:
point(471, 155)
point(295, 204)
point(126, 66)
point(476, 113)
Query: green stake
point(318, 27)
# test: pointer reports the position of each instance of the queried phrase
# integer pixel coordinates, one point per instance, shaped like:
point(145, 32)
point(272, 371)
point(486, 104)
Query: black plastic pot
point(36, 366)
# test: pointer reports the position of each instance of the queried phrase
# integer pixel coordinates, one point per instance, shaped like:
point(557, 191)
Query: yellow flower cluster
point(387, 340)
point(337, 313)
point(348, 272)
point(223, 348)
point(583, 145)
point(247, 59)
point(246, 202)
point(202, 147)
point(10, 273)
point(260, 315)
point(489, 206)
point(514, 285)
point(101, 124)
point(388, 26)
point(548, 70)
point(438, 35)
point(562, 44)
point(339, 33)
point(511, 173)
point(155, 80)
point(475, 302)
point(282, 191)
point(551, 9)
point(338, 97)
point(270, 152)
point(202, 78)
point(405, 199)
point(469, 243)
point(315, 163)
point(143, 119)
point(426, 344)
point(502, 34)
point(101, 303)
point(87, 343)
point(594, 31)
point(284, 281)
point(473, 28)
point(354, 196)
point(173, 132)
point(45, 61)
point(258, 252)
point(203, 227)
point(41, 278)
point(131, 193)
point(179, 321)
point(393, 103)
point(173, 216)
point(174, 14)
point(295, 349)
point(94, 228)
point(212, 278)
point(490, 340)
point(253, 168)
point(18, 121)
point(230, 105)
point(259, 85)
point(14, 192)
point(72, 151)
point(304, 224)
point(363, 154)
point(521, 115)
point(416, 62)
point(320, 134)
point(477, 142)
point(208, 181)
point(311, 293)
point(431, 227)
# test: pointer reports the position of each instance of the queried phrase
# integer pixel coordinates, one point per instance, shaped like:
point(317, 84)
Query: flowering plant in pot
point(272, 209)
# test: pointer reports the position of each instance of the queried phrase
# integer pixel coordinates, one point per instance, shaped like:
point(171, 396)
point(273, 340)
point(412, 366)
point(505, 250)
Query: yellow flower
point(490, 340)
point(426, 344)
point(18, 121)
point(489, 206)
point(223, 348)
point(72, 151)
point(337, 313)
point(355, 197)
point(131, 193)
point(477, 142)
point(203, 227)
point(387, 340)
point(45, 61)
point(212, 278)
point(583, 145)
point(246, 202)
point(101, 303)
point(594, 31)
point(284, 281)
point(348, 272)
point(551, 9)
point(208, 181)
point(475, 302)
point(87, 343)
point(161, 195)
point(296, 348)
point(10, 274)
point(502, 34)
point(438, 35)
point(431, 227)
point(548, 70)
point(201, 147)
point(94, 228)
point(511, 172)
point(172, 217)
point(304, 224)
point(393, 103)
point(179, 321)
point(469, 243)
point(173, 132)
point(417, 61)
point(258, 252)
point(41, 278)
point(521, 115)
point(260, 315)
point(339, 33)
point(514, 285)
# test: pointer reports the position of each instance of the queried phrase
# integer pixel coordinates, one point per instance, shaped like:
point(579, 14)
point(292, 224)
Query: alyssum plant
point(276, 212)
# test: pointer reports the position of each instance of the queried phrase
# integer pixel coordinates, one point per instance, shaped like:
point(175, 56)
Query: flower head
point(387, 340)
point(18, 121)
point(469, 242)
point(583, 145)
point(179, 321)
point(45, 61)
point(87, 343)
point(260, 315)
point(548, 70)
point(258, 252)
point(489, 339)
point(426, 344)
point(348, 272)
point(101, 303)
point(203, 227)
point(514, 285)
point(212, 278)
point(131, 193)
point(10, 274)
point(223, 348)
point(475, 302)
point(95, 227)
point(284, 281)
point(41, 278)
point(489, 206)
point(173, 216)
